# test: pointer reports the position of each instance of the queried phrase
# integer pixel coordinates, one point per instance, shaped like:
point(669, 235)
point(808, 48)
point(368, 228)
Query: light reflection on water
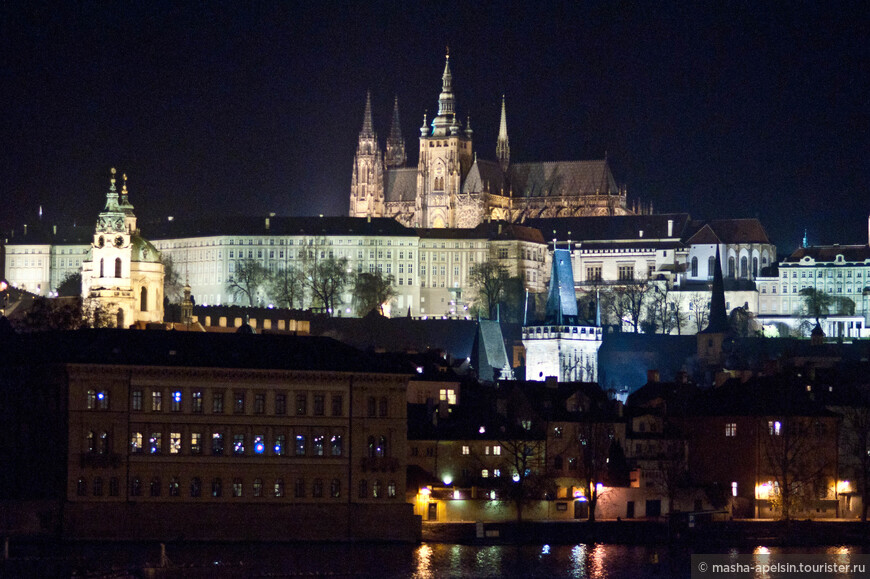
point(424, 561)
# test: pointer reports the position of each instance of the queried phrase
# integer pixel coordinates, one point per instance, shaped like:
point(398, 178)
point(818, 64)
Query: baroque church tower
point(445, 158)
point(122, 282)
point(367, 183)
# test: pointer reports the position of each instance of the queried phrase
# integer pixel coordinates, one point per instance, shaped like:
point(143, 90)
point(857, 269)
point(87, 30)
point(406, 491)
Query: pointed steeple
point(445, 122)
point(561, 298)
point(367, 129)
point(718, 316)
point(502, 148)
point(395, 144)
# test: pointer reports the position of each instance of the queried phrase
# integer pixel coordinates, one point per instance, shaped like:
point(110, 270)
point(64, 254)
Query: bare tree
point(628, 302)
point(699, 308)
point(327, 279)
point(287, 286)
point(797, 460)
point(593, 440)
point(855, 447)
point(679, 312)
point(489, 279)
point(371, 291)
point(248, 277)
point(523, 453)
point(173, 285)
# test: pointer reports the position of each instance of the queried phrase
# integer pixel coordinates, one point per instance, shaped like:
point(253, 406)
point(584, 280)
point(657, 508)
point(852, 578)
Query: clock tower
point(122, 282)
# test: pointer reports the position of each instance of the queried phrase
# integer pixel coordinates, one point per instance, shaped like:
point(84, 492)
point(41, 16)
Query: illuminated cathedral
point(452, 187)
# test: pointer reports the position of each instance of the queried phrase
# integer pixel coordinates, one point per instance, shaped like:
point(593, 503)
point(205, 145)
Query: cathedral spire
point(367, 130)
point(502, 148)
point(446, 119)
point(395, 144)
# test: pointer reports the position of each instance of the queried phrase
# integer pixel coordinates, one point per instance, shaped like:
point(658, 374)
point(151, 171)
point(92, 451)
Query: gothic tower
point(502, 148)
point(445, 158)
point(367, 183)
point(395, 144)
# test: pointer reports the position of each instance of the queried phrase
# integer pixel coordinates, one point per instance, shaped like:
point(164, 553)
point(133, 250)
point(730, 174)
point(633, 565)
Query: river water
point(424, 561)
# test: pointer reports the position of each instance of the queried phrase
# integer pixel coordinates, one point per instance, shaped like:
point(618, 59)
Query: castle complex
point(451, 187)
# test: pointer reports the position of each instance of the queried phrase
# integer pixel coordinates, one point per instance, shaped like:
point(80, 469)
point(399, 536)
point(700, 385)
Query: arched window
point(732, 267)
point(371, 446)
point(104, 443)
point(117, 267)
point(120, 318)
point(101, 267)
point(711, 267)
point(744, 267)
point(694, 267)
point(81, 487)
point(143, 300)
point(91, 443)
point(381, 449)
point(754, 267)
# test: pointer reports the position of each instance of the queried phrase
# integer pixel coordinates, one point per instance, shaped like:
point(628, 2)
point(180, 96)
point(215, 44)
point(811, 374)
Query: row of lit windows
point(271, 241)
point(312, 254)
point(821, 273)
point(237, 488)
point(304, 444)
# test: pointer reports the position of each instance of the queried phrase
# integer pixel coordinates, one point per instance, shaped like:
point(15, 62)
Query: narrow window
point(156, 401)
point(300, 488)
point(114, 487)
point(259, 444)
point(98, 487)
point(337, 405)
point(237, 487)
point(280, 404)
point(154, 487)
point(174, 487)
point(391, 489)
point(335, 444)
point(196, 404)
point(81, 487)
point(301, 404)
point(239, 444)
point(195, 443)
point(363, 489)
point(318, 405)
point(195, 487)
point(217, 444)
point(143, 300)
point(279, 445)
point(335, 489)
point(136, 439)
point(300, 445)
point(174, 442)
point(156, 443)
point(239, 402)
point(259, 403)
point(382, 407)
point(217, 402)
point(117, 267)
point(372, 406)
point(136, 487)
point(137, 400)
point(376, 490)
point(258, 487)
point(317, 488)
point(279, 488)
point(216, 487)
point(318, 445)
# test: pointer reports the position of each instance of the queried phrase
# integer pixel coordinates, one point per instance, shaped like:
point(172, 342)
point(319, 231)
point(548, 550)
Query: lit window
point(195, 443)
point(465, 449)
point(775, 427)
point(300, 445)
point(335, 445)
point(318, 445)
point(376, 490)
point(279, 488)
point(91, 397)
point(174, 487)
point(734, 489)
point(136, 442)
point(156, 442)
point(279, 445)
point(258, 487)
point(496, 472)
point(557, 432)
point(176, 401)
point(156, 401)
point(237, 487)
point(259, 444)
point(484, 473)
point(391, 489)
point(174, 442)
point(496, 450)
point(238, 444)
point(731, 429)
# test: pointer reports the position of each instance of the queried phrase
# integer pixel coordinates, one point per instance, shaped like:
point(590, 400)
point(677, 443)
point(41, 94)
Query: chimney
point(267, 224)
point(54, 229)
point(25, 229)
point(640, 233)
point(670, 227)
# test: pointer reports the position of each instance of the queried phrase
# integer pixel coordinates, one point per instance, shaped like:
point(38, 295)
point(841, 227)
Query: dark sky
point(732, 109)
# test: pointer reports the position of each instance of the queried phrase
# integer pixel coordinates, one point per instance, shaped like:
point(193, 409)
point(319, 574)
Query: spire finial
point(502, 148)
point(112, 180)
point(368, 130)
point(447, 50)
point(124, 187)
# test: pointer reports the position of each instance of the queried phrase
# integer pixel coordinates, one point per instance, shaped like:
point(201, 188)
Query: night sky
point(732, 109)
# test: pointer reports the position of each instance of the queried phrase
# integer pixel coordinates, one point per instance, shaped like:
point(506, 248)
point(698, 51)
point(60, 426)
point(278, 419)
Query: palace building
point(451, 187)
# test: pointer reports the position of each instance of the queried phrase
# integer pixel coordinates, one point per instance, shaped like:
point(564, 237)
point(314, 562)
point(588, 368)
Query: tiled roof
point(329, 225)
point(483, 176)
point(493, 230)
point(609, 228)
point(400, 184)
point(727, 231)
point(41, 233)
point(830, 253)
point(561, 178)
